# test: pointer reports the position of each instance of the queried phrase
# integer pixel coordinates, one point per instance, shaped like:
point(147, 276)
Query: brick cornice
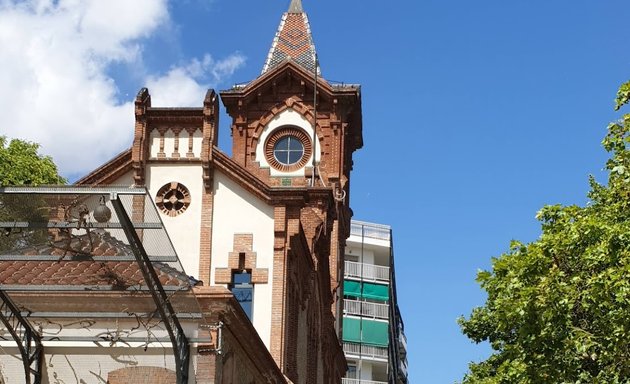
point(297, 73)
point(270, 195)
point(175, 115)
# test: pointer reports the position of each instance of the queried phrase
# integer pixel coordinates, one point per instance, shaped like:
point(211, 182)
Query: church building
point(258, 235)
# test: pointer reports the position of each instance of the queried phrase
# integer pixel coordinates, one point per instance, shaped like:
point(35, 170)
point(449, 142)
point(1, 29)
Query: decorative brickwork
point(242, 257)
point(205, 246)
point(142, 375)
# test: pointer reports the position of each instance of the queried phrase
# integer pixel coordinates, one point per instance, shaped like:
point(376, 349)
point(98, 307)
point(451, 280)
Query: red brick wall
point(142, 375)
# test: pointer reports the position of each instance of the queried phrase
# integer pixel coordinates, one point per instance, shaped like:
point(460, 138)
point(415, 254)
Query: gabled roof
point(293, 41)
point(110, 171)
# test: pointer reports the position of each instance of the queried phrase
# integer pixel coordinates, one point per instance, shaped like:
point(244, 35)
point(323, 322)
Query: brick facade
point(310, 220)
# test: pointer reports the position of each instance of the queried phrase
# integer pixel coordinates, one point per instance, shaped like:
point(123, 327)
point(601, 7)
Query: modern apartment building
point(373, 331)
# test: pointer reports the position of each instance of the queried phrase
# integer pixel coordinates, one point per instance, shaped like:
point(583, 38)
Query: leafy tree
point(558, 309)
point(20, 164)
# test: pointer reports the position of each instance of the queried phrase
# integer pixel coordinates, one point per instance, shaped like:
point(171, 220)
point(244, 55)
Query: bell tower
point(290, 126)
point(294, 134)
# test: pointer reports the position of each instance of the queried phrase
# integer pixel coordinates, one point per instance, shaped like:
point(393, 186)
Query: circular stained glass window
point(173, 199)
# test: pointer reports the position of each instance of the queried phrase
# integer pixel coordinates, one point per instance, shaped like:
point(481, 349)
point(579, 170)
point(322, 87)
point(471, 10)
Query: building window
point(352, 371)
point(173, 199)
point(288, 148)
point(243, 290)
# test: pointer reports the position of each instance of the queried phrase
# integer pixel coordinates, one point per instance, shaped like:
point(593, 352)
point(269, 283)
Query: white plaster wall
point(238, 211)
point(169, 143)
point(286, 117)
point(154, 139)
point(89, 362)
point(184, 229)
point(85, 365)
point(197, 138)
point(368, 255)
point(125, 180)
point(366, 370)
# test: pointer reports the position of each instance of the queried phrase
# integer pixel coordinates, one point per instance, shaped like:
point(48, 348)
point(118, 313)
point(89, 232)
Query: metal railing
point(402, 339)
point(365, 351)
point(366, 309)
point(365, 271)
point(360, 381)
point(372, 231)
point(402, 367)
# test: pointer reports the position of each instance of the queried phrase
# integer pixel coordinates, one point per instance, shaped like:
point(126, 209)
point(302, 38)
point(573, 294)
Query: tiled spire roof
point(293, 41)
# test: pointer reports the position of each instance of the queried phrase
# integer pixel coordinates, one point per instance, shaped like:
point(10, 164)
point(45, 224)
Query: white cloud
point(54, 86)
point(186, 85)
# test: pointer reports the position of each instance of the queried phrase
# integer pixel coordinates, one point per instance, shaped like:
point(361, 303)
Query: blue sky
point(476, 114)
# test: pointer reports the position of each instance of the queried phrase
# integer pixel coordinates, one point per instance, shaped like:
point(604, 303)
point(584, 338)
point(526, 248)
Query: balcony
point(359, 381)
point(402, 368)
point(366, 309)
point(372, 231)
point(402, 342)
point(365, 351)
point(368, 272)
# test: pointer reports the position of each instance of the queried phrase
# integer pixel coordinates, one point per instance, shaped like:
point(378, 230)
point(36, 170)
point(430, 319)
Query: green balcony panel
point(375, 333)
point(376, 291)
point(372, 332)
point(352, 288)
point(351, 330)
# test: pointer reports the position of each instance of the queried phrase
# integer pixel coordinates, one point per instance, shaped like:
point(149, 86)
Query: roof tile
point(66, 271)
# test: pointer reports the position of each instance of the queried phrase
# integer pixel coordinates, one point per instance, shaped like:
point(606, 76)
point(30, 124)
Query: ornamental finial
point(296, 6)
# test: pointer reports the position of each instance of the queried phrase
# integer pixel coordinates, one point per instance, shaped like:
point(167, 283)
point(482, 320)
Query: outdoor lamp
point(102, 213)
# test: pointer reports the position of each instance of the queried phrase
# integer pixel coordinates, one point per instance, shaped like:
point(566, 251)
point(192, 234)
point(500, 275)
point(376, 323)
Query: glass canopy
point(92, 265)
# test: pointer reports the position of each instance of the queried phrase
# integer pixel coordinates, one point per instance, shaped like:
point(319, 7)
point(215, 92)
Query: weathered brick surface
point(205, 246)
point(142, 375)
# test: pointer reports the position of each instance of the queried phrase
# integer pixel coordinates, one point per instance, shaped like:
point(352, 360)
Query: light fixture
point(102, 213)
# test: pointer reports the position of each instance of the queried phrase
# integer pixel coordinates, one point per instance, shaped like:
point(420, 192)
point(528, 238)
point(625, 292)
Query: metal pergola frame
point(162, 302)
point(30, 342)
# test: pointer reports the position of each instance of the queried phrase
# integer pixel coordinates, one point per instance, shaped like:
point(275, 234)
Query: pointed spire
point(293, 41)
point(296, 6)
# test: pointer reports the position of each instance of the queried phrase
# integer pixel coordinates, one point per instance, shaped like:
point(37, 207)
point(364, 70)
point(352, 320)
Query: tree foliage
point(20, 164)
point(558, 309)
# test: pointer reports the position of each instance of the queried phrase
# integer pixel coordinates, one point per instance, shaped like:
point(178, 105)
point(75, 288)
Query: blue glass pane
point(241, 278)
point(282, 144)
point(295, 144)
point(281, 156)
point(243, 290)
point(288, 150)
point(244, 297)
point(294, 157)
